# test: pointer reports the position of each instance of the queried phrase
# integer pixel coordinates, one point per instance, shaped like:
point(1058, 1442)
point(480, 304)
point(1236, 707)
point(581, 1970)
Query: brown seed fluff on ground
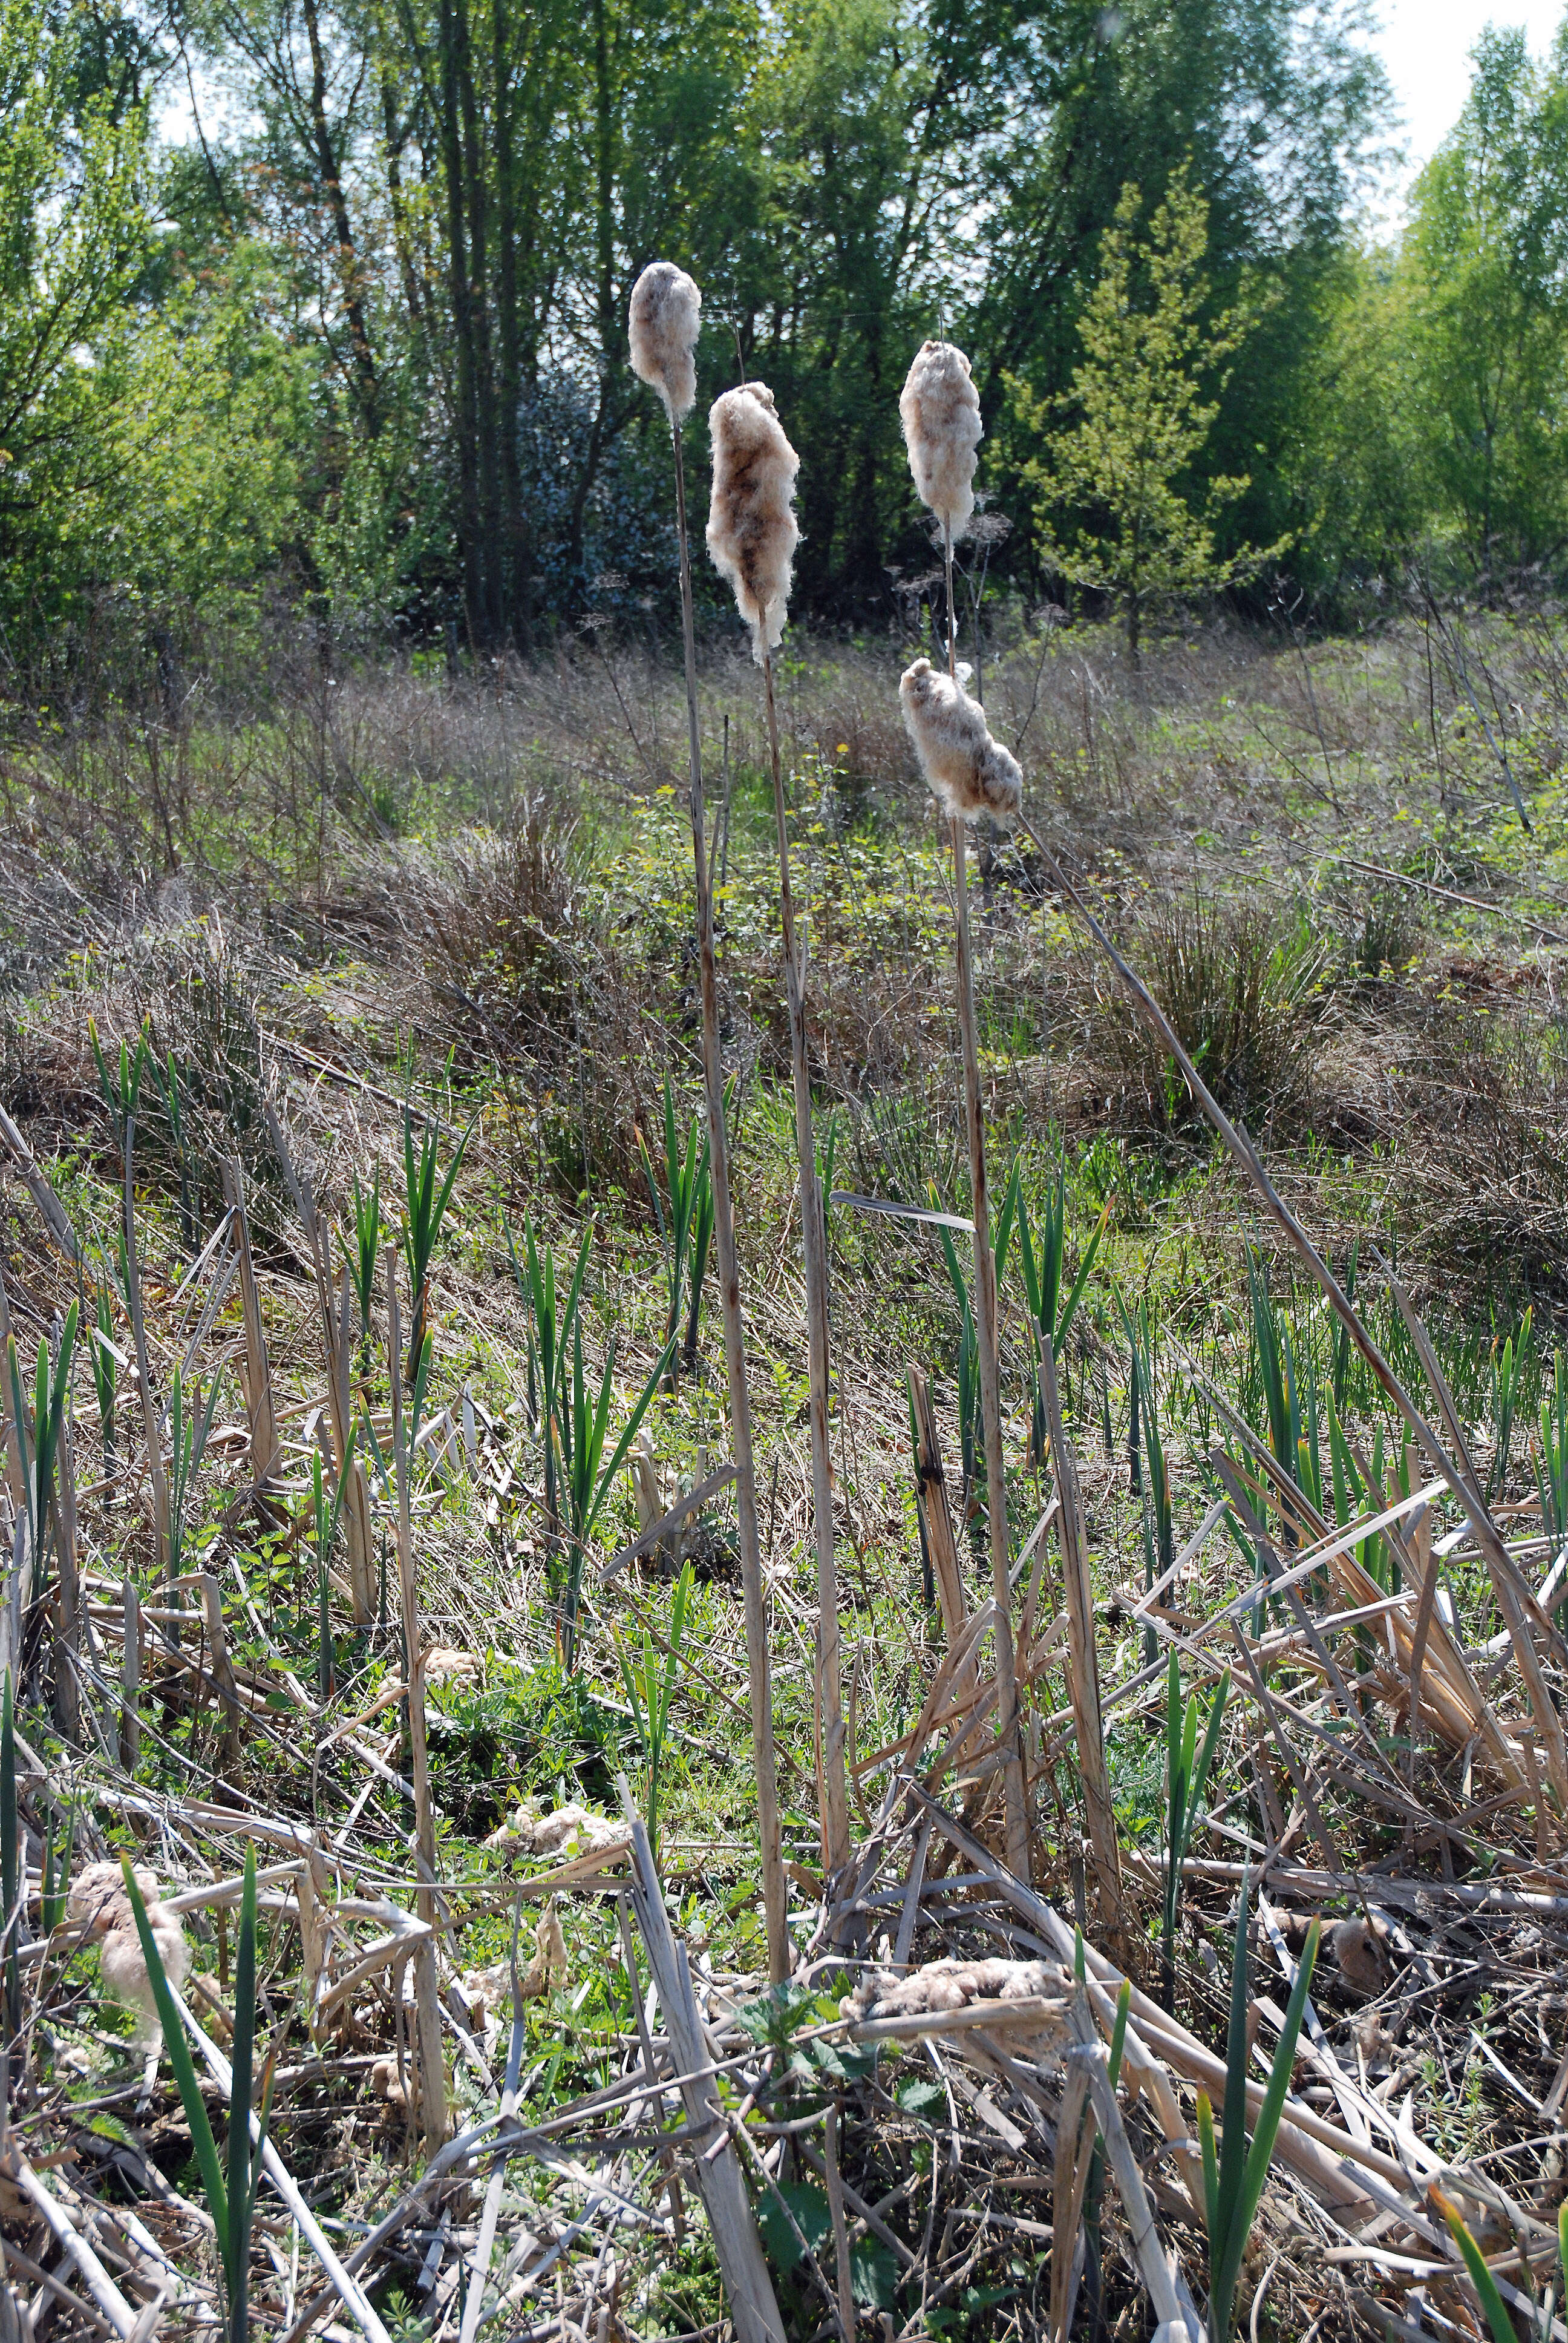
point(99, 1904)
point(968, 772)
point(666, 313)
point(751, 531)
point(943, 429)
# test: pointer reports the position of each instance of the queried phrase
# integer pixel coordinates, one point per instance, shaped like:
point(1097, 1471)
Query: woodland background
point(362, 356)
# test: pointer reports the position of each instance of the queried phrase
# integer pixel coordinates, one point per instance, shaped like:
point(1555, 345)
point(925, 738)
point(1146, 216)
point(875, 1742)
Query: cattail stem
point(775, 1905)
point(1016, 1813)
point(150, 1422)
point(834, 1794)
point(426, 2006)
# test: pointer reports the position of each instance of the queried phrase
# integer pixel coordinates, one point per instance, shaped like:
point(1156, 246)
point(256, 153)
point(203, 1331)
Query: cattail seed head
point(99, 1904)
point(751, 531)
point(969, 773)
point(666, 313)
point(940, 413)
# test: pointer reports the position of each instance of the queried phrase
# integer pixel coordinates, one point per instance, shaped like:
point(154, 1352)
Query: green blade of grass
point(1497, 2313)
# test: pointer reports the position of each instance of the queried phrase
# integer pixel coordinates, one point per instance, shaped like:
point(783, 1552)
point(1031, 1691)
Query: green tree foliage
point(1142, 529)
point(370, 346)
point(1485, 262)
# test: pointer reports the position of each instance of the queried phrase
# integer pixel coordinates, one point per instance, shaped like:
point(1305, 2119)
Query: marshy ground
point(354, 907)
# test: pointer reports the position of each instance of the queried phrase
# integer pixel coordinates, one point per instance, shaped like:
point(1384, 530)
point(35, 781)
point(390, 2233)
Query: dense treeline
point(365, 352)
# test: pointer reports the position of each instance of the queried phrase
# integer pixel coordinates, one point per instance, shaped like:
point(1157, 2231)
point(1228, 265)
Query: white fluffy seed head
point(665, 316)
point(969, 773)
point(943, 429)
point(751, 531)
point(98, 1904)
point(123, 1969)
point(97, 1900)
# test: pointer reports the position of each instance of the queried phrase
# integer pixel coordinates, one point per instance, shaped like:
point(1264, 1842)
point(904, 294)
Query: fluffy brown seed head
point(665, 316)
point(123, 1969)
point(943, 429)
point(969, 773)
point(98, 1901)
point(751, 531)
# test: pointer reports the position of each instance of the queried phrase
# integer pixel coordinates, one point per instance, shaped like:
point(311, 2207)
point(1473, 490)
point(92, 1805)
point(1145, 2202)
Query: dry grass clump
point(522, 978)
point(1237, 979)
point(1466, 1094)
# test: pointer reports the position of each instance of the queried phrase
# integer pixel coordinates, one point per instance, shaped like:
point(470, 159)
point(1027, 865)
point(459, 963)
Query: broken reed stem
point(833, 1792)
point(1016, 1812)
point(1083, 1671)
point(775, 1904)
point(427, 2014)
point(1500, 1564)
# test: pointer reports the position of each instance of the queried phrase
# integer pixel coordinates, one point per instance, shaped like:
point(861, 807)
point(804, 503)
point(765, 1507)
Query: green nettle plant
point(685, 1222)
point(1233, 2180)
point(231, 2198)
point(1186, 1771)
point(651, 1678)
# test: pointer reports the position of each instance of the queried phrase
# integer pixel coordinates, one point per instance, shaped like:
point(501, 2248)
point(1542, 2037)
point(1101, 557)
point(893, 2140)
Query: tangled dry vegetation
point(454, 1651)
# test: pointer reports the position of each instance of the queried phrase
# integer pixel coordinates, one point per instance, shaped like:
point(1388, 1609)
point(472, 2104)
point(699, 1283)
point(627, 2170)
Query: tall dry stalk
point(426, 2008)
point(751, 536)
point(665, 308)
point(941, 422)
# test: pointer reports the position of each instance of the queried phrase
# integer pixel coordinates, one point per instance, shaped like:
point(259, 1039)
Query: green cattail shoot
point(665, 316)
point(940, 409)
point(751, 531)
point(969, 773)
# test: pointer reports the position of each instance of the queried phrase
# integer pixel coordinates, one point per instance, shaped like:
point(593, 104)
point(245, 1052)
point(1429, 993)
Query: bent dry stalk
point(427, 2015)
point(1501, 1567)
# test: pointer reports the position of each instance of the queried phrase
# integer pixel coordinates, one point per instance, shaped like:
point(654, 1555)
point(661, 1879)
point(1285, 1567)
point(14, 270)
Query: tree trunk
point(462, 331)
point(337, 203)
point(394, 139)
point(479, 319)
point(516, 553)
